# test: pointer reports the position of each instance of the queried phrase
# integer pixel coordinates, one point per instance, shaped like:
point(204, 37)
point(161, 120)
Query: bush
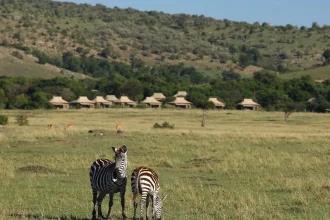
point(17, 54)
point(3, 120)
point(164, 125)
point(22, 120)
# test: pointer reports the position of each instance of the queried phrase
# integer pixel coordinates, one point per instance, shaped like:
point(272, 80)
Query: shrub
point(164, 125)
point(3, 120)
point(17, 54)
point(22, 120)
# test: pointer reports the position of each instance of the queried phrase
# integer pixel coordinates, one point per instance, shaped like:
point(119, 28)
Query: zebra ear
point(124, 148)
point(114, 149)
point(164, 198)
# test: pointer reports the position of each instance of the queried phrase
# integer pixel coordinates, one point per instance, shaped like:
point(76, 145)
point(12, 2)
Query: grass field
point(242, 165)
point(317, 73)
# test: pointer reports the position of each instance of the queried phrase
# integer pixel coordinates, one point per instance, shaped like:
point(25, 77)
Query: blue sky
point(275, 12)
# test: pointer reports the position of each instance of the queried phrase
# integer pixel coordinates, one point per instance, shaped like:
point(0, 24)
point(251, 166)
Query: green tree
point(133, 88)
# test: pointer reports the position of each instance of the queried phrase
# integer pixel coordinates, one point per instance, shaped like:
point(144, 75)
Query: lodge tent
point(181, 94)
point(59, 103)
point(248, 104)
point(180, 102)
point(100, 102)
point(159, 96)
point(151, 102)
point(83, 102)
point(111, 98)
point(217, 103)
point(125, 101)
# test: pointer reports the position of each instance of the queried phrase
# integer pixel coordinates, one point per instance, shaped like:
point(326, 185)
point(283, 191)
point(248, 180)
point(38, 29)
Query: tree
point(228, 75)
point(205, 106)
point(289, 108)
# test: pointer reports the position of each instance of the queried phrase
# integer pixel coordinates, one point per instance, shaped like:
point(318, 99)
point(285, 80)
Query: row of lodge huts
point(154, 101)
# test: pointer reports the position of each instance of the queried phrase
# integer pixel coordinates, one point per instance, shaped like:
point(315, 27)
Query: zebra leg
point(122, 201)
point(99, 204)
point(142, 201)
point(110, 205)
point(135, 205)
point(94, 204)
point(147, 207)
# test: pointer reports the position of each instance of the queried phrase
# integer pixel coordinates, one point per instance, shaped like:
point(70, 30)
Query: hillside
point(26, 66)
point(159, 38)
point(319, 74)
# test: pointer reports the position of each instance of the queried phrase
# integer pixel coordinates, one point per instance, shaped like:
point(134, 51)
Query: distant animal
point(68, 127)
point(144, 181)
point(109, 177)
point(119, 127)
point(50, 126)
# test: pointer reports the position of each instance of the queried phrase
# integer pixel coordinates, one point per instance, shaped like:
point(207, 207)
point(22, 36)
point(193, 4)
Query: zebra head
point(121, 161)
point(157, 207)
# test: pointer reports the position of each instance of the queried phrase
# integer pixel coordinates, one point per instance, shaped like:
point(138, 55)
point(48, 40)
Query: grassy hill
point(27, 66)
point(160, 38)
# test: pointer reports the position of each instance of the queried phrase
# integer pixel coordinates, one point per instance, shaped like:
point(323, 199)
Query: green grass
point(28, 67)
point(317, 73)
point(242, 165)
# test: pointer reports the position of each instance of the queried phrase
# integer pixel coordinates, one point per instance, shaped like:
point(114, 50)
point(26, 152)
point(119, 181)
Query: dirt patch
point(165, 164)
point(36, 169)
point(62, 142)
point(198, 162)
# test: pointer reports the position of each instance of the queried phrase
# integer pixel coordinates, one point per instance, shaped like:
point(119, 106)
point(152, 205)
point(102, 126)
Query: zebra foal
point(144, 181)
point(109, 177)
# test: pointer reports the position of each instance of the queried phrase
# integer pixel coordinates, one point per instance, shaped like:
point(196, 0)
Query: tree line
point(137, 80)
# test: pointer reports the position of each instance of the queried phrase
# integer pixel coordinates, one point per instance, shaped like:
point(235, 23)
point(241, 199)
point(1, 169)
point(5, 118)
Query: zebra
point(144, 181)
point(109, 177)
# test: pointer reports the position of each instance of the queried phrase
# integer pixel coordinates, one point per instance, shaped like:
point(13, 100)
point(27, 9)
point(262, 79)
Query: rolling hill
point(155, 38)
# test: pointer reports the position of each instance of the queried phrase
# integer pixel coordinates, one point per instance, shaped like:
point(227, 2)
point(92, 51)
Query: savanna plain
point(242, 165)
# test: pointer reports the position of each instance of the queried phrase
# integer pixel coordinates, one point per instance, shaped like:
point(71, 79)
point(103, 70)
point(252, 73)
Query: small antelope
point(50, 126)
point(68, 126)
point(119, 127)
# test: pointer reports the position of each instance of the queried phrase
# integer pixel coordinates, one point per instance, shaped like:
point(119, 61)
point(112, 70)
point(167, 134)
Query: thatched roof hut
point(125, 101)
point(180, 102)
point(217, 103)
point(248, 104)
point(159, 96)
point(151, 102)
point(83, 102)
point(181, 94)
point(111, 98)
point(313, 100)
point(100, 102)
point(59, 103)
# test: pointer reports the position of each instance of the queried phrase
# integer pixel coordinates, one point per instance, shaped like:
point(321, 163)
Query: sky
point(275, 12)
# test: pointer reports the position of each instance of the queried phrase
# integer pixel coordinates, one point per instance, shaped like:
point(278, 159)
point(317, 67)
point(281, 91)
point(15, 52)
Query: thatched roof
point(125, 100)
point(216, 102)
point(314, 100)
point(151, 101)
point(82, 100)
point(111, 98)
point(248, 102)
point(58, 100)
point(159, 96)
point(100, 99)
point(180, 101)
point(181, 94)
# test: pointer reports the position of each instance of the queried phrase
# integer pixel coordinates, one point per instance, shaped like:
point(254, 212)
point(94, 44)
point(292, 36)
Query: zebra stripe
point(109, 177)
point(144, 181)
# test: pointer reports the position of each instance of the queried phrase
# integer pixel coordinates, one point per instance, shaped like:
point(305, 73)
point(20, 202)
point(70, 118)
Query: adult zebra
point(144, 181)
point(109, 177)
